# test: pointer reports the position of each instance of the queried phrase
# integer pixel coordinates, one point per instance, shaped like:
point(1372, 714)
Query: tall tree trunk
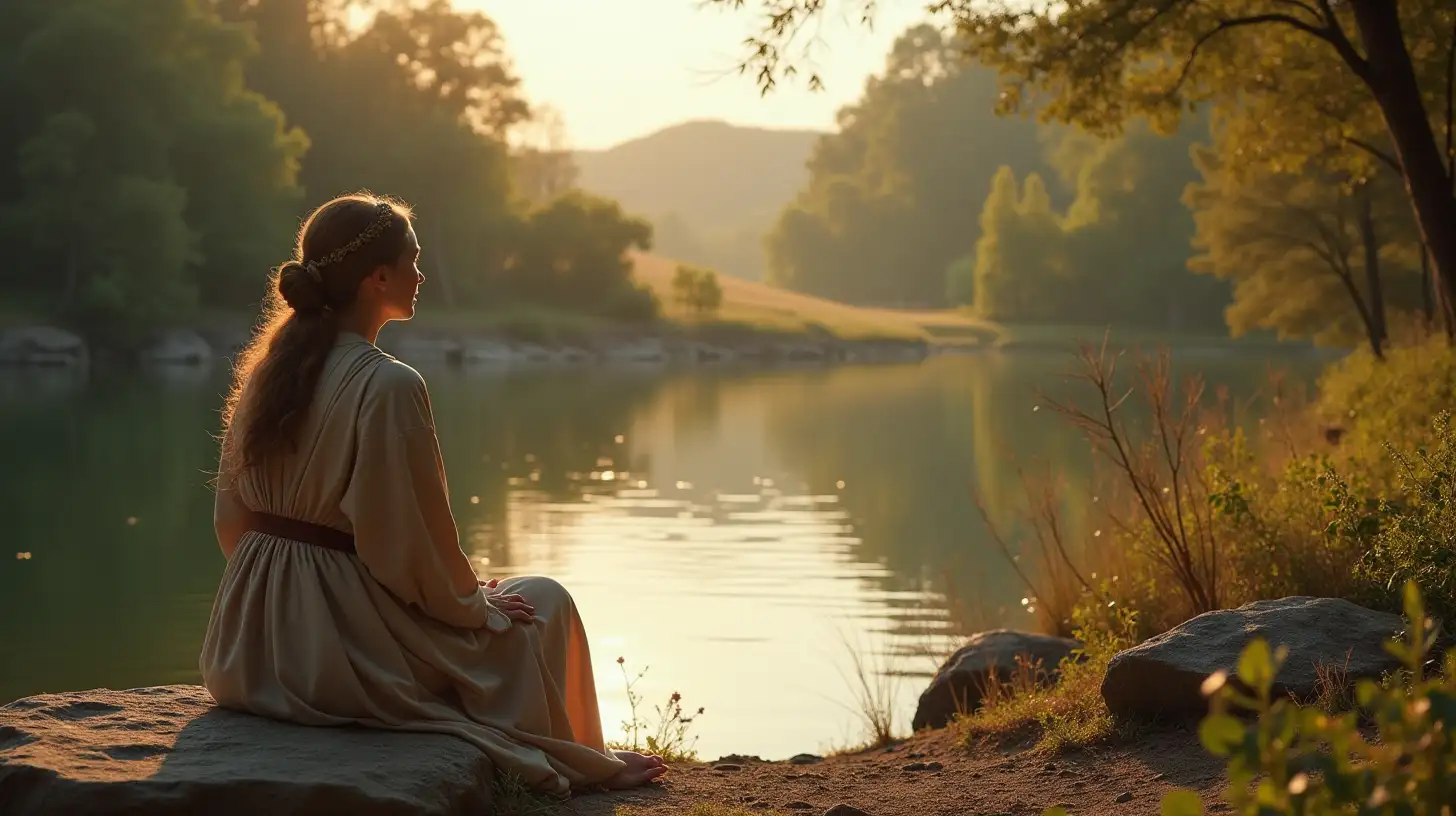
point(1378, 330)
point(1392, 80)
point(1428, 304)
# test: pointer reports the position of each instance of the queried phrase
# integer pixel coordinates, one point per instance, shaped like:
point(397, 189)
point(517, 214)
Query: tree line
point(159, 156)
point(1288, 166)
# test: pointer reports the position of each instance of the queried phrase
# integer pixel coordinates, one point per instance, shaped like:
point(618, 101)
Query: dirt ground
point(931, 775)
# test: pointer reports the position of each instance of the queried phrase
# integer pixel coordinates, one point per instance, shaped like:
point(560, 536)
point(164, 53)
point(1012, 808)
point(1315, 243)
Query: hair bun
point(301, 289)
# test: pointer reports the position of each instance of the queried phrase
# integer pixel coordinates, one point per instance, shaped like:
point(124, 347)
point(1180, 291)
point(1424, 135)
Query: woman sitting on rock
point(347, 597)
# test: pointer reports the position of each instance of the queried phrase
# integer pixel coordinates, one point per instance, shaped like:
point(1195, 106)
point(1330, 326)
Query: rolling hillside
point(711, 189)
point(770, 308)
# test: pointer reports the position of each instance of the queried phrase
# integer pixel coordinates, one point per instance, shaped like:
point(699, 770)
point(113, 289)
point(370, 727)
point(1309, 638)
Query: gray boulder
point(178, 346)
point(171, 750)
point(1163, 676)
point(41, 346)
point(959, 683)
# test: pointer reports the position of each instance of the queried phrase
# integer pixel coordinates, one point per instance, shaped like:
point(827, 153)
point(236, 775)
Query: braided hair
point(274, 378)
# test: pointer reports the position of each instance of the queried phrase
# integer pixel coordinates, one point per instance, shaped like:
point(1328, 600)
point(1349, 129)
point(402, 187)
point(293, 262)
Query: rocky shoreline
point(170, 749)
point(41, 346)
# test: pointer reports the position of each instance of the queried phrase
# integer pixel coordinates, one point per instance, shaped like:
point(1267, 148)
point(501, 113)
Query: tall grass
point(1070, 713)
point(875, 687)
point(1204, 507)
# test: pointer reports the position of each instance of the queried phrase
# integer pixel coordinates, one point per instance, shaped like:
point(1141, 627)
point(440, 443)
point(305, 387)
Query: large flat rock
point(1163, 677)
point(171, 750)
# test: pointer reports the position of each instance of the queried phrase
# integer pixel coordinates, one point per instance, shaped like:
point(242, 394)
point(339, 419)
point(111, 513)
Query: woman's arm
point(229, 516)
point(400, 509)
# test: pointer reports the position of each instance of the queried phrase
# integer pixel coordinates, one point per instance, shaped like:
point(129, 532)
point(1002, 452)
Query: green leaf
point(1221, 734)
point(1182, 803)
point(1256, 665)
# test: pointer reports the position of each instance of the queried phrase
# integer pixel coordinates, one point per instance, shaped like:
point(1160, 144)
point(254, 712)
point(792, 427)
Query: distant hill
point(712, 189)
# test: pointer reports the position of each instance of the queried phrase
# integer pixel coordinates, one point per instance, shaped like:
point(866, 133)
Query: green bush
point(1301, 760)
point(1409, 535)
point(1375, 403)
point(631, 304)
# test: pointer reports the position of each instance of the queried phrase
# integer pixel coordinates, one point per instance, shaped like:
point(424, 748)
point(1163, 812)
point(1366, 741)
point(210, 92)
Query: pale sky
point(619, 69)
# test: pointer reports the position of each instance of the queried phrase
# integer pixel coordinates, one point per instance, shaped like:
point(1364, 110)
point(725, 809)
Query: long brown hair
point(277, 372)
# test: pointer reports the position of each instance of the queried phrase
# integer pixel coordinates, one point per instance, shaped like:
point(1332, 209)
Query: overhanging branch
point(1341, 41)
point(1383, 156)
point(1323, 33)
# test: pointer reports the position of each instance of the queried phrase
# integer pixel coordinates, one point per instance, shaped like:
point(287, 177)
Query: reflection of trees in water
point(106, 601)
point(543, 431)
point(913, 443)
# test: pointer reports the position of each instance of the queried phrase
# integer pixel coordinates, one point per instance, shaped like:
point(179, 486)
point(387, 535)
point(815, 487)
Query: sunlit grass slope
point(762, 307)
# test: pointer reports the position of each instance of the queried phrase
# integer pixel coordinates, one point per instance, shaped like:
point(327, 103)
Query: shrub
point(1409, 536)
point(631, 303)
point(1198, 511)
point(1372, 404)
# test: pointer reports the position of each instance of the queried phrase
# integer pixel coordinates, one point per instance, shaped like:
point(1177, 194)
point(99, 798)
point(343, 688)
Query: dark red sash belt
point(305, 531)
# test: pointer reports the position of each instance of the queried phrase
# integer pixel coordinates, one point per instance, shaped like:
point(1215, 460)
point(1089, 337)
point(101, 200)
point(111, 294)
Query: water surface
point(737, 533)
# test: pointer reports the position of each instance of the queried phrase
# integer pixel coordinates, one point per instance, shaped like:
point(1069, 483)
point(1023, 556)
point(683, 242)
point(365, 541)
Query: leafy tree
point(114, 200)
point(1127, 235)
point(1100, 63)
point(574, 252)
point(960, 282)
point(1118, 254)
point(697, 290)
point(885, 209)
point(1309, 256)
point(415, 98)
point(543, 166)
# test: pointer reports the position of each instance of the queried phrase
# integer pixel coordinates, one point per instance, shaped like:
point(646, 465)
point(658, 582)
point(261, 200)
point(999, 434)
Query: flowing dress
point(398, 635)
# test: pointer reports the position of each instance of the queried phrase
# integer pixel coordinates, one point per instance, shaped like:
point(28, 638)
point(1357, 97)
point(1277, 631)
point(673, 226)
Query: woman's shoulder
point(392, 381)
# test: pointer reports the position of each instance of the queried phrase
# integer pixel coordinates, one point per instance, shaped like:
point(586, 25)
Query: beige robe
point(399, 636)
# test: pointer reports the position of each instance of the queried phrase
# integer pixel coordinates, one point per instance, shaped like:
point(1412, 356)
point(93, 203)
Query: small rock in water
point(933, 766)
point(799, 806)
point(842, 809)
point(805, 759)
point(1050, 766)
point(914, 766)
point(915, 754)
point(727, 766)
point(1124, 798)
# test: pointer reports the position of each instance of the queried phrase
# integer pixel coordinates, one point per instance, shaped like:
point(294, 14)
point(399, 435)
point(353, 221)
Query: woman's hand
point(515, 607)
point(491, 584)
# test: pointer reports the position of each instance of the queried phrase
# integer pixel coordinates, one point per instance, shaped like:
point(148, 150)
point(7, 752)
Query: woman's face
point(401, 284)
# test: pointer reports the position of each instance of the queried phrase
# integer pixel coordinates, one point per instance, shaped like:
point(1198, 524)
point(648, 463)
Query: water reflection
point(729, 530)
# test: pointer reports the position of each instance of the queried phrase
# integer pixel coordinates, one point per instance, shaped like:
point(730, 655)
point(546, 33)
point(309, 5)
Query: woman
point(346, 597)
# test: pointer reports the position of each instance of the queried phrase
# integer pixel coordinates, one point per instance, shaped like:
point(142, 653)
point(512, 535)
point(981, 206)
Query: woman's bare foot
point(641, 769)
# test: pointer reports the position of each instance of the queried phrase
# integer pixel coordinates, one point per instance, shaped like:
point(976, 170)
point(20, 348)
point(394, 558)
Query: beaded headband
point(385, 213)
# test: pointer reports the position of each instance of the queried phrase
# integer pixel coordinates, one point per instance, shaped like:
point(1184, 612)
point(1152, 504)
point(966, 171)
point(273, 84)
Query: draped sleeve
point(229, 514)
point(398, 504)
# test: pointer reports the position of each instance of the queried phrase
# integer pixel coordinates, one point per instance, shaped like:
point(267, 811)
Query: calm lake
point(738, 534)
